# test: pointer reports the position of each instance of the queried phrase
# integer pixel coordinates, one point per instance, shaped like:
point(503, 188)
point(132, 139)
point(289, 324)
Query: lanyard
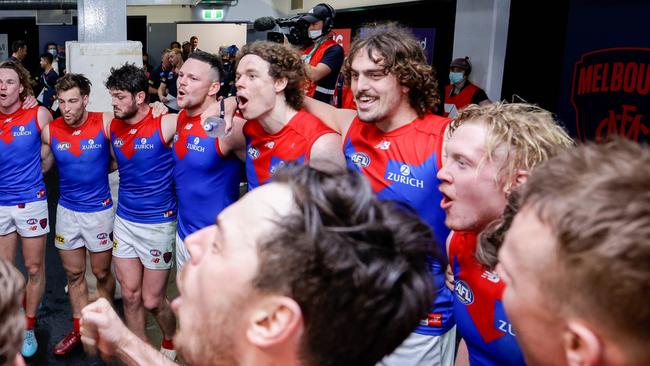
point(308, 57)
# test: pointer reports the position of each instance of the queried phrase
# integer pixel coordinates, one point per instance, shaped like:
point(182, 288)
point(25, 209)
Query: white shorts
point(92, 230)
point(28, 219)
point(182, 254)
point(420, 349)
point(152, 243)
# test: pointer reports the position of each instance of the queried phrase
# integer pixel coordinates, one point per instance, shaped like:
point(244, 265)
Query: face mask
point(52, 52)
point(456, 77)
point(313, 34)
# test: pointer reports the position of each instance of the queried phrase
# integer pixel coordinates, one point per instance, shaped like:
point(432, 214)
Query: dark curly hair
point(128, 78)
point(285, 62)
point(357, 266)
point(395, 48)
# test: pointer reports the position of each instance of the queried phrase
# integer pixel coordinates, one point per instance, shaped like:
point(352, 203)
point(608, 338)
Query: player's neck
point(142, 112)
point(400, 117)
point(278, 117)
point(195, 111)
point(81, 120)
point(11, 109)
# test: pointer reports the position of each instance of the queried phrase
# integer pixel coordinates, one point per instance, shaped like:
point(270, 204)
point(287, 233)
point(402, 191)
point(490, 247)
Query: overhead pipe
point(38, 5)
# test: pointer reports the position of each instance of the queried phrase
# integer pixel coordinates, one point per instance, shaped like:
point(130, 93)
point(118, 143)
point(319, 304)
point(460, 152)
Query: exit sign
point(212, 14)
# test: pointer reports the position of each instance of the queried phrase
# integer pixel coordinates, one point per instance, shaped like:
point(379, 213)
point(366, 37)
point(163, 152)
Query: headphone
point(328, 23)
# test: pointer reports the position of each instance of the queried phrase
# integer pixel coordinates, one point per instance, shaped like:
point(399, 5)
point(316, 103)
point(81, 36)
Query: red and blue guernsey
point(206, 181)
point(265, 153)
point(145, 162)
point(401, 166)
point(21, 179)
point(83, 155)
point(479, 312)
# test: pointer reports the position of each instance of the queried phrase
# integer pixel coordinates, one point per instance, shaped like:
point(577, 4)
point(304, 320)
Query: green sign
point(213, 14)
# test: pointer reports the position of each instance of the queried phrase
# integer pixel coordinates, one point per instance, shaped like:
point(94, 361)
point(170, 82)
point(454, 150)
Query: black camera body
point(298, 32)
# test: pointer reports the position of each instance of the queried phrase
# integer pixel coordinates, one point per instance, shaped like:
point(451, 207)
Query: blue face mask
point(52, 52)
point(456, 77)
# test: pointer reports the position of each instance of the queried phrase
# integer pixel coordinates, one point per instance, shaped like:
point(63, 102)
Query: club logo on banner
point(343, 36)
point(610, 94)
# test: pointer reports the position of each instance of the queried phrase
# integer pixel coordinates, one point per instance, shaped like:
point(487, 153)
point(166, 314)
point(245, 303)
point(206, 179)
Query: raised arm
point(326, 153)
point(102, 329)
point(162, 92)
point(107, 118)
point(47, 159)
point(337, 119)
point(43, 117)
point(169, 122)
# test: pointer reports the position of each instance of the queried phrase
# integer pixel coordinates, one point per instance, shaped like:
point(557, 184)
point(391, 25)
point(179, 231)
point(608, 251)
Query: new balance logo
point(384, 145)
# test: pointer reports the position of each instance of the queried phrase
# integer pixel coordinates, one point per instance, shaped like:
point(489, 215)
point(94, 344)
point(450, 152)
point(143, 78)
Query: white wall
point(95, 60)
point(481, 32)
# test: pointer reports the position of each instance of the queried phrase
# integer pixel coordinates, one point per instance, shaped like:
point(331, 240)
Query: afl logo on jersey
point(253, 153)
point(118, 142)
point(63, 146)
point(463, 292)
point(188, 126)
point(176, 137)
point(196, 141)
point(360, 159)
point(102, 236)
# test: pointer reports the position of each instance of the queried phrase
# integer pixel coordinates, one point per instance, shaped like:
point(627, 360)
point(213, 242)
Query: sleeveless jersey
point(461, 99)
point(82, 155)
point(145, 162)
point(206, 181)
point(401, 165)
point(265, 153)
point(21, 180)
point(479, 312)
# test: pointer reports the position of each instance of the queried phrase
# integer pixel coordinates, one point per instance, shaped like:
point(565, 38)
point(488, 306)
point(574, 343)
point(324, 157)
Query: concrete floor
point(54, 317)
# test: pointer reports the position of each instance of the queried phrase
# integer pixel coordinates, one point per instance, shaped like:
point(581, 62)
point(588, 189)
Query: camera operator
point(323, 56)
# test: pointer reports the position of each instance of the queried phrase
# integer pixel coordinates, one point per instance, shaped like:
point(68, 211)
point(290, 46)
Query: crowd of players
point(377, 235)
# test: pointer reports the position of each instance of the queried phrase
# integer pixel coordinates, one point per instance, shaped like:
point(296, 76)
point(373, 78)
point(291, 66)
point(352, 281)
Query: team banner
point(606, 79)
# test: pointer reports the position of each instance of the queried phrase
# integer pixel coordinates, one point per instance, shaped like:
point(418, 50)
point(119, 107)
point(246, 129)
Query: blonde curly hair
point(530, 134)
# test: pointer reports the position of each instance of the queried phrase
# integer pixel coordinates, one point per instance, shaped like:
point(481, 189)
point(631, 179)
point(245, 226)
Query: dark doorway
point(136, 29)
point(24, 29)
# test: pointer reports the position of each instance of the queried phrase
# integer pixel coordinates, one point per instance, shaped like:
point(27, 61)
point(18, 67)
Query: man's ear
point(520, 177)
point(140, 98)
point(274, 320)
point(214, 88)
point(582, 347)
point(280, 84)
